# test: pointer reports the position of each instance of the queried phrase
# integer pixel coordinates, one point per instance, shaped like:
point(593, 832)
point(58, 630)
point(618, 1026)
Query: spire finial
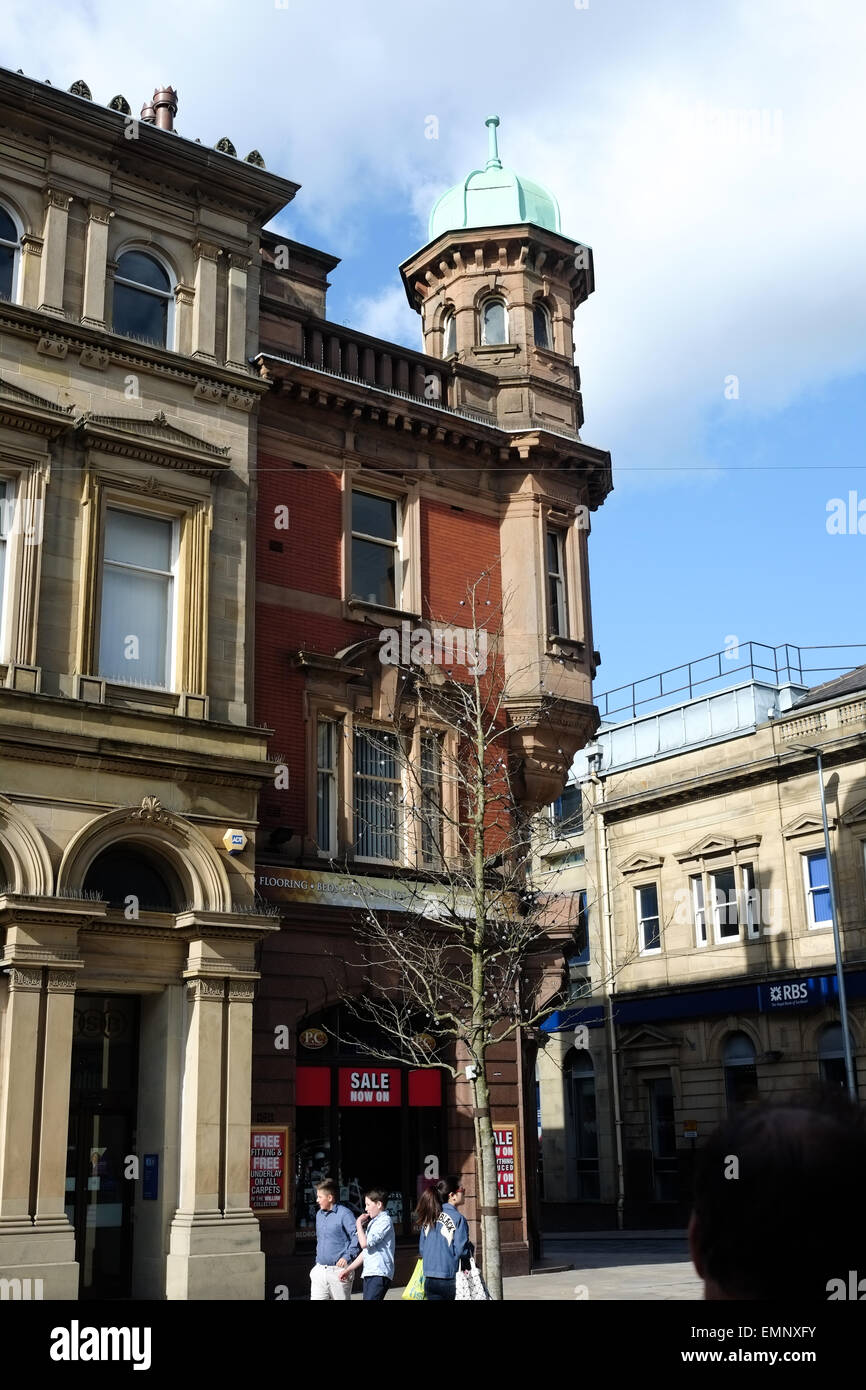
point(493, 160)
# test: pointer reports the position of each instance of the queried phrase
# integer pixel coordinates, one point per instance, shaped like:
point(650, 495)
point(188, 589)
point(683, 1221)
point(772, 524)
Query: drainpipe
point(602, 856)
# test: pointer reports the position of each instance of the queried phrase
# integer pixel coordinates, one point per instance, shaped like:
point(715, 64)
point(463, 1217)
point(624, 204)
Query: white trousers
point(325, 1283)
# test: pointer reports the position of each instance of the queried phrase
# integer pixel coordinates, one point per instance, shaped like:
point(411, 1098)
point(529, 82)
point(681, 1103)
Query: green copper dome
point(493, 197)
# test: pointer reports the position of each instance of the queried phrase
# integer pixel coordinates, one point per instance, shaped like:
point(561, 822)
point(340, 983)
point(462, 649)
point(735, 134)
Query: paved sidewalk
point(609, 1267)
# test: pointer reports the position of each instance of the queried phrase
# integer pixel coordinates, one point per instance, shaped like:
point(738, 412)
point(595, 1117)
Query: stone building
point(129, 281)
point(710, 966)
point(390, 480)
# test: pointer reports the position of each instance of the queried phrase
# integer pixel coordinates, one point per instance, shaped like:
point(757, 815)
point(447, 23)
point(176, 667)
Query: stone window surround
point(191, 507)
point(17, 263)
point(176, 289)
point(710, 856)
point(804, 854)
point(553, 518)
point(408, 498)
point(346, 717)
point(28, 474)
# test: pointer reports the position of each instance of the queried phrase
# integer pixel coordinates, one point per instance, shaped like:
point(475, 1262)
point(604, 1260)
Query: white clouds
point(713, 256)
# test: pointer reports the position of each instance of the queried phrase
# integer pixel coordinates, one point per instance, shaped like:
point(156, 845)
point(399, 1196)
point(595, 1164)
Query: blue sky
point(711, 154)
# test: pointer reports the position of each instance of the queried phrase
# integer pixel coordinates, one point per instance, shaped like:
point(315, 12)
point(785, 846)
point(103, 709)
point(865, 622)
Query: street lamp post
point(837, 940)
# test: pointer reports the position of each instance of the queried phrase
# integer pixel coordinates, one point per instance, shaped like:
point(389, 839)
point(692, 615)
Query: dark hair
point(377, 1194)
point(431, 1202)
point(329, 1185)
point(780, 1201)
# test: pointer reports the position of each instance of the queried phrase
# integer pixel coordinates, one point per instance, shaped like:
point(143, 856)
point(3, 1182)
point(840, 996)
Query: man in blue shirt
point(376, 1236)
point(336, 1245)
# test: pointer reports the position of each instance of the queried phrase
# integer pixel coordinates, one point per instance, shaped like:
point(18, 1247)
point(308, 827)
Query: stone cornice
point(69, 335)
point(26, 410)
point(43, 111)
point(153, 440)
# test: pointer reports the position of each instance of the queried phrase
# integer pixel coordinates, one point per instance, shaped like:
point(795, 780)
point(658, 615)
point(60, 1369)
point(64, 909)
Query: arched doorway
point(583, 1124)
point(103, 1092)
point(741, 1072)
point(130, 876)
point(363, 1121)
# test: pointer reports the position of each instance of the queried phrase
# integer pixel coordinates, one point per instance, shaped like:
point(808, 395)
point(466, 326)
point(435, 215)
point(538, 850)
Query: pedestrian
point(336, 1244)
point(444, 1241)
point(376, 1238)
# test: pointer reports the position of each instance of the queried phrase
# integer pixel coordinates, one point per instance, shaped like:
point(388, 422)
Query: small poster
point(506, 1138)
point(269, 1169)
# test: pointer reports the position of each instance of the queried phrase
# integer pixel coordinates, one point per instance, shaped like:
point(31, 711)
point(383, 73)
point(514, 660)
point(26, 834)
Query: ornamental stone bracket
point(543, 739)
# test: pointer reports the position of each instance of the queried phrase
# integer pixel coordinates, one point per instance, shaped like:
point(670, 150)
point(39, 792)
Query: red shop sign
point(369, 1085)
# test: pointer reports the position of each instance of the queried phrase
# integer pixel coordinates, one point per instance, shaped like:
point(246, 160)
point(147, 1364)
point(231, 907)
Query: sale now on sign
point(506, 1139)
point(369, 1087)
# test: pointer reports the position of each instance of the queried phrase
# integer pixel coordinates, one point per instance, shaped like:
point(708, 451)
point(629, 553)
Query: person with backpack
point(443, 1244)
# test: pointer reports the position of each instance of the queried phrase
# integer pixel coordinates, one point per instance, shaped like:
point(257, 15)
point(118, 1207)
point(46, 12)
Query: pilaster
point(53, 264)
point(95, 265)
point(237, 311)
point(204, 308)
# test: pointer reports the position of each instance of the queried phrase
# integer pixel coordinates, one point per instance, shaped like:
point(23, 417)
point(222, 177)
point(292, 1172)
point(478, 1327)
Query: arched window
point(741, 1073)
point(831, 1056)
point(125, 871)
point(494, 322)
point(143, 300)
point(541, 327)
point(10, 247)
point(449, 333)
point(584, 1124)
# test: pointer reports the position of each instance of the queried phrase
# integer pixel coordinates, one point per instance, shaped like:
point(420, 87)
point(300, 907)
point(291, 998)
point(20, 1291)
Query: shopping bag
point(470, 1285)
point(414, 1290)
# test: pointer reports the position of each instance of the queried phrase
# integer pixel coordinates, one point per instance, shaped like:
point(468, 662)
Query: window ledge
point(362, 611)
point(566, 646)
point(490, 349)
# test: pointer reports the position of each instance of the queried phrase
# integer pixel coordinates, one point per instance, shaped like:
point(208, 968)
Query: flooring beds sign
point(269, 1169)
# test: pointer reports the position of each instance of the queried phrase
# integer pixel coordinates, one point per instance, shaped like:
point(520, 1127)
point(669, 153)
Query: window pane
point(725, 903)
point(377, 795)
point(7, 268)
point(493, 322)
point(5, 522)
point(649, 901)
point(431, 800)
point(133, 641)
point(821, 906)
point(553, 552)
point(817, 870)
point(326, 786)
point(8, 230)
point(541, 327)
point(373, 572)
point(449, 335)
point(139, 314)
point(144, 270)
point(374, 516)
point(132, 539)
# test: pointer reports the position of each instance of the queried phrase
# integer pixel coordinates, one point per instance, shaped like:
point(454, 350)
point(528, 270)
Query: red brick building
point(389, 481)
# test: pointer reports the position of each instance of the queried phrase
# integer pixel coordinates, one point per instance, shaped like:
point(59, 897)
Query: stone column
point(95, 265)
point(36, 1239)
point(53, 268)
point(214, 1245)
point(31, 266)
point(236, 345)
point(204, 308)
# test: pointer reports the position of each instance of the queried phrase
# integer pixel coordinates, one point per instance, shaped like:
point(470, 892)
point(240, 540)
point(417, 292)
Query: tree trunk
point(489, 1200)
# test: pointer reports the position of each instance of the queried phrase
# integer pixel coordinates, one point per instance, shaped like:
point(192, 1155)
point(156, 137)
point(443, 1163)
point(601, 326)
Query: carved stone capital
point(184, 294)
point(206, 251)
point(61, 982)
point(237, 262)
point(25, 978)
point(241, 991)
point(56, 198)
point(202, 988)
point(98, 212)
point(32, 245)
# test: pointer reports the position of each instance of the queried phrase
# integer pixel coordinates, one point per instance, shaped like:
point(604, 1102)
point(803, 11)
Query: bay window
point(557, 601)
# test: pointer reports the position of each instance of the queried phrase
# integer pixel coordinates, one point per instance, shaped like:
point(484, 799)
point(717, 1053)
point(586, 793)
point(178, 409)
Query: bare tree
point(470, 955)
